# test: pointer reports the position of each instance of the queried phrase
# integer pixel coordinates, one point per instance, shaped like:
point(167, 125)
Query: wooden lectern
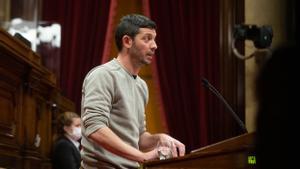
point(233, 153)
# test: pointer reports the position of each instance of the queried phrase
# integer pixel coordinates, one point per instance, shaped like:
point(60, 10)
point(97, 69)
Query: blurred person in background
point(66, 152)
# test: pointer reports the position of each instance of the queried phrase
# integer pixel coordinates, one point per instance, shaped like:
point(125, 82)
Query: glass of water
point(164, 150)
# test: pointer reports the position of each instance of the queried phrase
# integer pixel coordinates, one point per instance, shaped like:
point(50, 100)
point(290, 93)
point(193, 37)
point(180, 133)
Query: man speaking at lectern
point(113, 103)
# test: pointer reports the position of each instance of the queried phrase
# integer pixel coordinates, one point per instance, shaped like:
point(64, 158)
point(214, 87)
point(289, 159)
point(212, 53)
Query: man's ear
point(127, 41)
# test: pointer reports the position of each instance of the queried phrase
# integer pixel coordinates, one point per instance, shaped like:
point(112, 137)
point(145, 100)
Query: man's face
point(143, 46)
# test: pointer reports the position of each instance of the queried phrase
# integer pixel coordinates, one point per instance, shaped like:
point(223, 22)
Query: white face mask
point(76, 133)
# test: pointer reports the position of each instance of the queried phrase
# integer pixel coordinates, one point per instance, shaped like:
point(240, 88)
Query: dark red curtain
point(84, 30)
point(188, 50)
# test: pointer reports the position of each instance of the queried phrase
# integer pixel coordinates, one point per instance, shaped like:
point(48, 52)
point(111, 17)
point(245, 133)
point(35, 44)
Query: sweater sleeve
point(97, 95)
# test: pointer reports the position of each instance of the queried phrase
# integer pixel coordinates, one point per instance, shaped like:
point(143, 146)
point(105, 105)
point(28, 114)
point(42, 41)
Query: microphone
point(218, 94)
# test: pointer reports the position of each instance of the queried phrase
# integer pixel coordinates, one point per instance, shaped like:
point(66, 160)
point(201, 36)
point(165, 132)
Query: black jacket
point(65, 155)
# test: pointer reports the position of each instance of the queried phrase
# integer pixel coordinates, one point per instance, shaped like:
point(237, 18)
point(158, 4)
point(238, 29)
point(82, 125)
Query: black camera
point(261, 36)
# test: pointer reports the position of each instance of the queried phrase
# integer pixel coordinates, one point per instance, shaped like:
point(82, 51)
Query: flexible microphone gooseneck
point(218, 94)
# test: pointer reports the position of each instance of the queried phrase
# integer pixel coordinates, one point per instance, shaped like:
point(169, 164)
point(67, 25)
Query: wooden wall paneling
point(11, 137)
point(29, 102)
point(9, 122)
point(232, 69)
point(37, 117)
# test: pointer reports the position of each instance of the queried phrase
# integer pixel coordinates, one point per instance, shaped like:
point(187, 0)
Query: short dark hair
point(129, 25)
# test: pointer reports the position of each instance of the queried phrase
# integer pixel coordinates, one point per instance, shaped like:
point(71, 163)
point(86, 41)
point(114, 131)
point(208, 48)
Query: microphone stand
point(218, 94)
